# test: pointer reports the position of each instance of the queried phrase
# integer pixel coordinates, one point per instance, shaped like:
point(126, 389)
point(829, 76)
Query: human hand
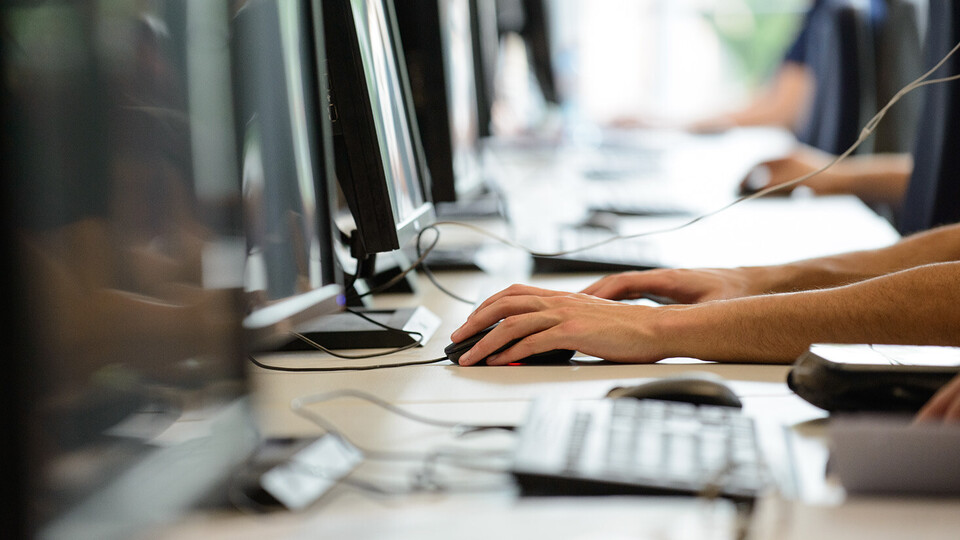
point(684, 286)
point(944, 405)
point(802, 161)
point(545, 320)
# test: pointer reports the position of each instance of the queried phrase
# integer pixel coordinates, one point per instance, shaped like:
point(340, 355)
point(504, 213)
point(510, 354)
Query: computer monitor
point(380, 162)
point(530, 19)
point(123, 240)
point(486, 49)
point(438, 45)
point(291, 276)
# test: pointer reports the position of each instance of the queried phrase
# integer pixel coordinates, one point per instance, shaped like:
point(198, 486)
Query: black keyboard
point(630, 446)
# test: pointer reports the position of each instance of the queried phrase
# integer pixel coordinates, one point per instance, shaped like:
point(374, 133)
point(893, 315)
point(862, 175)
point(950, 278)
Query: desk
point(483, 504)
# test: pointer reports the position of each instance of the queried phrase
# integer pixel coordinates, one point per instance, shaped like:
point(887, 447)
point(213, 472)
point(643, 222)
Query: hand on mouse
point(545, 320)
point(804, 160)
point(685, 286)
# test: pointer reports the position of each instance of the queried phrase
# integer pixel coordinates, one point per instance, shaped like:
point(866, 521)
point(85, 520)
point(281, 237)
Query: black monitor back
point(933, 194)
point(486, 48)
point(380, 162)
point(420, 31)
point(438, 45)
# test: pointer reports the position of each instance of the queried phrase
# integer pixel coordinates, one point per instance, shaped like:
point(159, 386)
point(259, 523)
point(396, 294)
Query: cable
point(287, 369)
point(319, 347)
point(298, 404)
point(424, 480)
point(426, 270)
point(396, 279)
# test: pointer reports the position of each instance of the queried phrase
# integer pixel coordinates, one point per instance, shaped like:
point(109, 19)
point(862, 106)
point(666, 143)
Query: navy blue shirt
point(797, 53)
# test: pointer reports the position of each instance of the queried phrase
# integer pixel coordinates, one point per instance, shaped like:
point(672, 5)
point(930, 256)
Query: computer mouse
point(455, 350)
point(697, 389)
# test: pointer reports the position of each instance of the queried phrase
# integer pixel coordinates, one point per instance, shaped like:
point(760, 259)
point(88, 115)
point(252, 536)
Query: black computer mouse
point(697, 389)
point(455, 350)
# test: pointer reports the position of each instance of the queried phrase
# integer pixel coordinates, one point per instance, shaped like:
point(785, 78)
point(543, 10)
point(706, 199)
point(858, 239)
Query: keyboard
point(616, 256)
point(638, 447)
point(656, 200)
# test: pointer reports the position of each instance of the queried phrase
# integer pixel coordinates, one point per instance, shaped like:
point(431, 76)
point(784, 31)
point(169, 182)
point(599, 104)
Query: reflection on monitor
point(120, 170)
point(286, 168)
point(380, 162)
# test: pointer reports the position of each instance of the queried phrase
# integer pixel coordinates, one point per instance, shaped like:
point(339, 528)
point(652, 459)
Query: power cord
point(299, 405)
point(426, 479)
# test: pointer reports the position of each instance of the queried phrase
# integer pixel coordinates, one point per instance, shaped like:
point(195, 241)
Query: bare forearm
point(782, 103)
point(916, 306)
point(934, 246)
point(879, 178)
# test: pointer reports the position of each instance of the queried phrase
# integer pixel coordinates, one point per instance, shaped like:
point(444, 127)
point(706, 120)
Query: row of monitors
point(170, 206)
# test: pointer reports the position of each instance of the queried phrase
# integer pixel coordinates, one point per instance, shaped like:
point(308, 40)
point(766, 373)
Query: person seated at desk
point(880, 178)
point(905, 293)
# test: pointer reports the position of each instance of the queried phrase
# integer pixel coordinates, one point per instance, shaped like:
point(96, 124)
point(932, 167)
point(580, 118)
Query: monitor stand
point(389, 328)
point(348, 330)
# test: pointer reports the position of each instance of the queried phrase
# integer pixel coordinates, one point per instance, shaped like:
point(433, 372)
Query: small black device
point(380, 163)
point(872, 378)
point(455, 350)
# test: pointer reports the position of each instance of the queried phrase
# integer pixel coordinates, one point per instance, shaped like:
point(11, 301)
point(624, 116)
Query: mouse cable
point(289, 369)
point(299, 405)
point(454, 457)
point(866, 132)
point(397, 278)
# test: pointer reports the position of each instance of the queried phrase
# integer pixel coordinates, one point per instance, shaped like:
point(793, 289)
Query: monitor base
point(347, 330)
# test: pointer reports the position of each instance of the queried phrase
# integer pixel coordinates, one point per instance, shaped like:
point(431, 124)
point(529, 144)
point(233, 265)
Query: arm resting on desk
point(691, 286)
point(915, 306)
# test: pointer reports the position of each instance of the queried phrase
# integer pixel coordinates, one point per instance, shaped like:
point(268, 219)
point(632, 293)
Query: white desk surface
point(485, 395)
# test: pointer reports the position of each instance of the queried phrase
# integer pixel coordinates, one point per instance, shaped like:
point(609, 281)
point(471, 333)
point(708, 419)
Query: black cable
point(287, 369)
point(429, 273)
point(396, 279)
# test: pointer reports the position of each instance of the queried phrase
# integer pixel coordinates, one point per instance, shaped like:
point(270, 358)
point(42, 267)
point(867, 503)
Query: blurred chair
point(842, 59)
point(900, 40)
point(933, 196)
